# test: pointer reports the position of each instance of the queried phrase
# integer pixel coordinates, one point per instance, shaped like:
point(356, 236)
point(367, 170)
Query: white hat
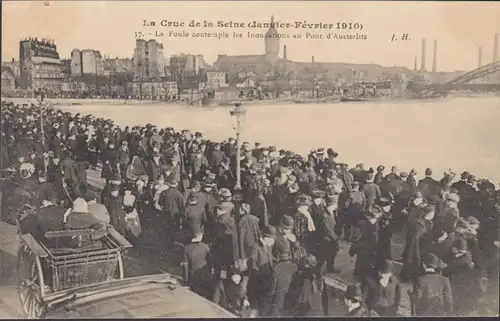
point(80, 206)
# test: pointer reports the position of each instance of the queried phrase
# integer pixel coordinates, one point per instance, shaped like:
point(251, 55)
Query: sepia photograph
point(249, 159)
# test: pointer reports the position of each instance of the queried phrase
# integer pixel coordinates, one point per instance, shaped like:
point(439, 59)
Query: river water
point(457, 133)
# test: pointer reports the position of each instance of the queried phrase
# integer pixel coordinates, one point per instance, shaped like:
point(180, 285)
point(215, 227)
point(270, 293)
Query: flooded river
point(458, 133)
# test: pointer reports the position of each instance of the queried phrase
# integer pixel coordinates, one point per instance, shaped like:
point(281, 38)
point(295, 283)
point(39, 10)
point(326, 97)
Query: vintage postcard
point(249, 159)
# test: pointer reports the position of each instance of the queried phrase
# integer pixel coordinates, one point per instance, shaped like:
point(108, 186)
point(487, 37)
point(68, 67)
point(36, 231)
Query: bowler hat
point(172, 183)
point(353, 292)
point(224, 192)
point(432, 261)
point(384, 266)
point(287, 222)
point(464, 175)
point(269, 231)
point(302, 200)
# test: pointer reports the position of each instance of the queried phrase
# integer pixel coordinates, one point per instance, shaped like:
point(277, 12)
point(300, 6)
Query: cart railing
point(97, 262)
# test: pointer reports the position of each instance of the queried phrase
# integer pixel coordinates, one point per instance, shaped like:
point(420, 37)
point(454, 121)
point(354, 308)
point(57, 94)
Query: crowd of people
point(261, 248)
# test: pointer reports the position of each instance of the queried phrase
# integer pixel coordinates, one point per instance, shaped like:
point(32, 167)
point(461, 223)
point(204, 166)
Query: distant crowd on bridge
point(263, 249)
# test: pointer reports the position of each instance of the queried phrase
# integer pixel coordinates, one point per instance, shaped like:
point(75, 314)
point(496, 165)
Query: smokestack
point(312, 60)
point(479, 56)
point(434, 56)
point(422, 60)
point(284, 52)
point(495, 48)
point(415, 64)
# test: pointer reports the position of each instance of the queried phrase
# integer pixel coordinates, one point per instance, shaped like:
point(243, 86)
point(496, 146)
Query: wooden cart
point(49, 266)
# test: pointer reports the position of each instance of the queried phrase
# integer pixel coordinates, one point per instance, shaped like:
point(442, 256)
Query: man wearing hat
point(154, 167)
point(419, 237)
point(428, 186)
point(114, 205)
point(286, 241)
point(248, 231)
point(432, 295)
point(371, 190)
point(197, 265)
point(283, 273)
point(365, 245)
point(467, 279)
point(327, 235)
point(383, 290)
point(260, 265)
point(225, 240)
point(194, 216)
point(172, 207)
point(355, 302)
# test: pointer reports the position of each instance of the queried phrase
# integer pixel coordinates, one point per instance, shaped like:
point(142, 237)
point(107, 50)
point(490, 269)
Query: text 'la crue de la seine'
point(291, 29)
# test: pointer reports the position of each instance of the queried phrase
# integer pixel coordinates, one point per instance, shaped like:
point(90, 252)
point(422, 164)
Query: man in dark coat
point(432, 295)
point(194, 216)
point(428, 186)
point(260, 265)
point(467, 280)
point(328, 237)
point(225, 242)
point(248, 231)
point(365, 245)
point(198, 265)
point(216, 157)
point(371, 191)
point(114, 204)
point(418, 241)
point(172, 204)
point(282, 277)
point(154, 167)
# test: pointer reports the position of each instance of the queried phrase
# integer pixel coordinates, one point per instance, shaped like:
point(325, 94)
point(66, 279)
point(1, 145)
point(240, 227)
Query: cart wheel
point(119, 273)
point(31, 285)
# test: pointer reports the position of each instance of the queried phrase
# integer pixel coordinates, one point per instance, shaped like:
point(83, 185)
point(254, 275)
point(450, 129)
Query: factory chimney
point(415, 64)
point(284, 52)
point(312, 59)
point(422, 60)
point(480, 56)
point(495, 48)
point(434, 57)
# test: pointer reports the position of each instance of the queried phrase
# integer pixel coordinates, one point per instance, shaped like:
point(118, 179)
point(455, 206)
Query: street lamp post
point(237, 115)
point(40, 97)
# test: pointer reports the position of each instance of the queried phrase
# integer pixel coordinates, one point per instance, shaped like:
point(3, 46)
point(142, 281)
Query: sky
point(460, 28)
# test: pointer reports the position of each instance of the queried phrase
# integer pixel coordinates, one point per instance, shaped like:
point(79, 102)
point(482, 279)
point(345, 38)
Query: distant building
point(259, 63)
point(216, 79)
point(158, 90)
point(117, 65)
point(183, 66)
point(14, 66)
point(40, 66)
point(86, 62)
point(149, 60)
point(8, 80)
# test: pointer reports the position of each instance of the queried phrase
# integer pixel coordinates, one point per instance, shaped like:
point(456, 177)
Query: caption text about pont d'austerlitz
point(300, 29)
